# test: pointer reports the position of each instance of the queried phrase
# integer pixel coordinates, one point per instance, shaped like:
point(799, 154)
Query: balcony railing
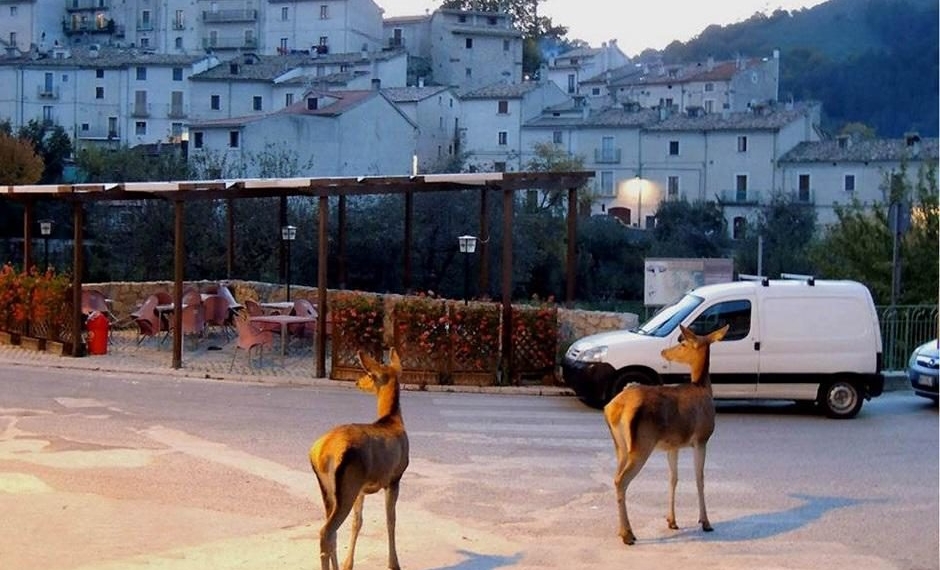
point(143, 26)
point(176, 112)
point(803, 196)
point(739, 197)
point(396, 42)
point(44, 92)
point(607, 155)
point(141, 110)
point(99, 134)
point(93, 26)
point(229, 43)
point(223, 16)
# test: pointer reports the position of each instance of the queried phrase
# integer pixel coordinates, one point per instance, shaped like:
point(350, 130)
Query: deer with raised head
point(355, 460)
point(644, 418)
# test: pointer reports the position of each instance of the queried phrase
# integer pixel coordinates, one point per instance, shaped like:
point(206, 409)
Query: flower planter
point(473, 378)
point(7, 337)
point(57, 348)
point(33, 343)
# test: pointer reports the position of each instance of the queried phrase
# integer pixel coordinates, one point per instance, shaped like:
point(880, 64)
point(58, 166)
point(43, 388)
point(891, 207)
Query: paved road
point(115, 471)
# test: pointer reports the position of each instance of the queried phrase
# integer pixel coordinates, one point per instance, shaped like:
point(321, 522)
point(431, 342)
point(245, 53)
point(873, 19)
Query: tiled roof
point(873, 150)
point(412, 94)
point(611, 117)
point(269, 67)
point(81, 56)
point(345, 100)
point(770, 118)
point(501, 90)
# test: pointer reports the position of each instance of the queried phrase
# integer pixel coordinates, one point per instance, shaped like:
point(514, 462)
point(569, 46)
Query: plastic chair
point(217, 314)
point(304, 308)
point(249, 337)
point(255, 310)
point(147, 319)
point(194, 322)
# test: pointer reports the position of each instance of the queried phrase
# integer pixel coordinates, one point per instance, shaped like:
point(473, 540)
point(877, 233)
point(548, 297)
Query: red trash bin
point(97, 326)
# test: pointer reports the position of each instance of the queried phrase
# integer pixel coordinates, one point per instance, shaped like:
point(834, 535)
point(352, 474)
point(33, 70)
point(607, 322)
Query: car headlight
point(593, 354)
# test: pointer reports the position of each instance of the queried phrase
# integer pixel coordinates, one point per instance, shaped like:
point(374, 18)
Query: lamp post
point(45, 228)
point(288, 234)
point(468, 245)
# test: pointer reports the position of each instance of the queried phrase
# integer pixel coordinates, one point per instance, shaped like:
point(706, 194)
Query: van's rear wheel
point(621, 380)
point(840, 399)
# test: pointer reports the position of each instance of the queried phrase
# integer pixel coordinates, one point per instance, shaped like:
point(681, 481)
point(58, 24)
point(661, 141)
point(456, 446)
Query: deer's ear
point(685, 334)
point(393, 360)
point(368, 363)
point(719, 334)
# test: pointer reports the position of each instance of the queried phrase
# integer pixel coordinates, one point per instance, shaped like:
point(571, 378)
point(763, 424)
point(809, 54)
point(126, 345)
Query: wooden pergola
point(321, 188)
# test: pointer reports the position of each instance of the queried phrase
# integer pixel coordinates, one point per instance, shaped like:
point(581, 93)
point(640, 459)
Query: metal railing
point(904, 328)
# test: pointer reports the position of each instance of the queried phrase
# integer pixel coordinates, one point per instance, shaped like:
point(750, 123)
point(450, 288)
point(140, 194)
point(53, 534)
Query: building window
point(197, 139)
point(47, 114)
point(709, 87)
point(140, 128)
point(503, 138)
point(571, 83)
point(506, 45)
point(288, 99)
point(13, 10)
point(596, 91)
point(256, 103)
point(557, 137)
point(739, 224)
point(179, 20)
point(709, 106)
point(742, 143)
point(673, 148)
point(283, 45)
point(215, 103)
point(324, 12)
point(233, 139)
point(99, 92)
point(849, 184)
point(285, 14)
point(607, 183)
point(502, 107)
point(145, 42)
point(803, 188)
point(672, 187)
point(99, 73)
point(499, 166)
point(141, 74)
point(468, 73)
point(177, 74)
point(468, 43)
point(312, 103)
point(740, 187)
point(178, 42)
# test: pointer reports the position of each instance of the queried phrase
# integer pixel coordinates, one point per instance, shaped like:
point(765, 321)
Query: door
point(735, 361)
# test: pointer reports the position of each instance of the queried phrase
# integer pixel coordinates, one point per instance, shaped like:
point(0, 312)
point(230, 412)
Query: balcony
point(396, 42)
point(176, 112)
point(739, 197)
point(144, 26)
point(140, 110)
point(805, 196)
point(95, 26)
point(229, 43)
point(99, 134)
point(44, 92)
point(86, 5)
point(607, 156)
point(230, 16)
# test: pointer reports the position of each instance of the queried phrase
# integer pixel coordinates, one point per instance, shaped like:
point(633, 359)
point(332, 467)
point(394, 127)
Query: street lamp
point(288, 234)
point(45, 228)
point(468, 245)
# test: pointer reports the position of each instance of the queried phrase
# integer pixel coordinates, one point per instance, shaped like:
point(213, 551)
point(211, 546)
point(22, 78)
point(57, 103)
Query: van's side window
point(734, 313)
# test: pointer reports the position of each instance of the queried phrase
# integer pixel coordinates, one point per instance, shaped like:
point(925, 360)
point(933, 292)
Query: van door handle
point(757, 345)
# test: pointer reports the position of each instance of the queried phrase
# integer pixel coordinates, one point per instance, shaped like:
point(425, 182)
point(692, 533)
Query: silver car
point(922, 369)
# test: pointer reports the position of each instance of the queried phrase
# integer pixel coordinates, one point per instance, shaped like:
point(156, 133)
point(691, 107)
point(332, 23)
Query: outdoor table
point(283, 320)
point(277, 306)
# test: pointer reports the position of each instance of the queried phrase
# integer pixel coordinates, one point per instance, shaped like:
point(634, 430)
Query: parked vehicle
point(922, 369)
point(790, 339)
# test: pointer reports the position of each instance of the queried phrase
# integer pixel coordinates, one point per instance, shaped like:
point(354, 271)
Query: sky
point(636, 26)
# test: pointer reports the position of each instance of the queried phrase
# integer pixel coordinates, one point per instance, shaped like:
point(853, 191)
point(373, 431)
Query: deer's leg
point(354, 530)
point(700, 484)
point(626, 471)
point(672, 456)
point(342, 503)
point(391, 499)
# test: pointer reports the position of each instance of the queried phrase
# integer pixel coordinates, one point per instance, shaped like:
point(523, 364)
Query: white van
point(790, 339)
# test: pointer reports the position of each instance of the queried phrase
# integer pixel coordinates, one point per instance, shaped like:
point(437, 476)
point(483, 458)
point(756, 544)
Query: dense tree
point(685, 229)
point(52, 143)
point(785, 231)
point(19, 163)
point(860, 245)
point(125, 164)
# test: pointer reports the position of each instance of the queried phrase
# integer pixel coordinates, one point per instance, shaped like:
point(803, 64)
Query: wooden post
point(78, 261)
point(28, 221)
point(341, 241)
point(230, 251)
point(507, 286)
point(322, 253)
point(409, 214)
point(282, 221)
point(179, 260)
point(483, 246)
point(571, 272)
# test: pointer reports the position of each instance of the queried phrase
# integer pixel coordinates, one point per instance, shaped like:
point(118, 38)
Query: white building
point(436, 111)
point(329, 134)
point(569, 69)
point(474, 49)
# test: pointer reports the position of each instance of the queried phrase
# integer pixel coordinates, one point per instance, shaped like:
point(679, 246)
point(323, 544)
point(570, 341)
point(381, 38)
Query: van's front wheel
point(840, 399)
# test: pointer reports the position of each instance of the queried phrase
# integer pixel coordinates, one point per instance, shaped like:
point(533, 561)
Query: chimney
point(710, 63)
point(844, 141)
point(912, 143)
point(421, 81)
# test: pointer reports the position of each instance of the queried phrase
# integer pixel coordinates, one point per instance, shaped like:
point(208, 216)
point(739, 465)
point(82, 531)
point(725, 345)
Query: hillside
point(868, 61)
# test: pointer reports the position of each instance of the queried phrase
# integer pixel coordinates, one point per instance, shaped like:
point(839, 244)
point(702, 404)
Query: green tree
point(552, 158)
point(860, 245)
point(785, 230)
point(52, 143)
point(685, 229)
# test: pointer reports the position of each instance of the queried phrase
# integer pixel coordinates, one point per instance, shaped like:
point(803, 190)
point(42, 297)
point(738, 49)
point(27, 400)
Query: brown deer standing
point(353, 460)
point(644, 418)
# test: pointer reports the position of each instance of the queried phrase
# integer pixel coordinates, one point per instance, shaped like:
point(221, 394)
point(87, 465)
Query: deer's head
point(692, 348)
point(377, 374)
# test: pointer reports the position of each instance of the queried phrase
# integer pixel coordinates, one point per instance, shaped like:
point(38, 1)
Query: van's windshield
point(666, 320)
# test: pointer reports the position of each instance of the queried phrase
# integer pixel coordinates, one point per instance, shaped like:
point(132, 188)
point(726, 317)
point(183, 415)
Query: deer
point(643, 418)
point(354, 460)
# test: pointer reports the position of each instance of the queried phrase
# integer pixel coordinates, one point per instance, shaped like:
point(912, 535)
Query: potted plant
point(475, 343)
point(534, 338)
point(421, 338)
